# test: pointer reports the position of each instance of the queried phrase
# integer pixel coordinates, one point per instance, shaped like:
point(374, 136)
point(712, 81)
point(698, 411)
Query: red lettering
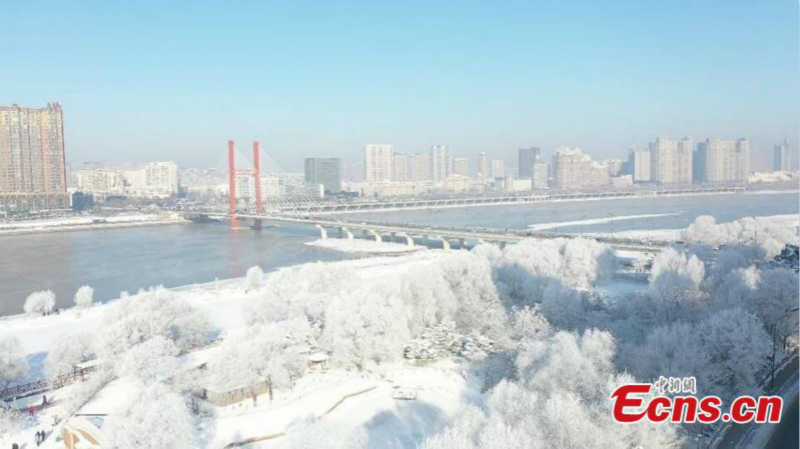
point(742, 409)
point(709, 409)
point(775, 406)
point(652, 409)
point(622, 401)
point(684, 409)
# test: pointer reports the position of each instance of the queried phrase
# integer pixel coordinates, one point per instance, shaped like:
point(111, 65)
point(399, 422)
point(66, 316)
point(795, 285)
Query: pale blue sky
point(150, 80)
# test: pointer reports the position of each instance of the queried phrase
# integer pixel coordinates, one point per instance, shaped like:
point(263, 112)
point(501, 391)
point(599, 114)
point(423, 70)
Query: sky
point(154, 80)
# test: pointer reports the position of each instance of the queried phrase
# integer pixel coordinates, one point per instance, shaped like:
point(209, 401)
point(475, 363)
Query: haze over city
point(155, 81)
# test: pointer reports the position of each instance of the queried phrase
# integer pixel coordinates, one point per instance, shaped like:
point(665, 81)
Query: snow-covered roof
point(113, 398)
point(89, 364)
point(318, 357)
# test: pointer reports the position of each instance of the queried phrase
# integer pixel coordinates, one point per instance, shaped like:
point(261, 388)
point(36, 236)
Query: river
point(112, 260)
point(675, 212)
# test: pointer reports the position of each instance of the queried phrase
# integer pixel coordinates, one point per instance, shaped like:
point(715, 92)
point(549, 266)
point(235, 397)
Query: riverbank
point(87, 223)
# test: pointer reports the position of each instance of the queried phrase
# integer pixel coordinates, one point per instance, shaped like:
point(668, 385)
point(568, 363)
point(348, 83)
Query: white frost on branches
point(84, 297)
point(12, 360)
point(40, 303)
point(254, 277)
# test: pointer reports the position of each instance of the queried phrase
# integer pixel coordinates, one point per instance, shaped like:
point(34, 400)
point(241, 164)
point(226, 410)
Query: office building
point(32, 161)
point(527, 156)
point(719, 160)
point(419, 167)
point(539, 175)
point(498, 169)
point(639, 164)
point(461, 166)
point(378, 162)
point(483, 166)
point(671, 160)
point(782, 157)
point(441, 162)
point(400, 167)
point(325, 171)
point(574, 170)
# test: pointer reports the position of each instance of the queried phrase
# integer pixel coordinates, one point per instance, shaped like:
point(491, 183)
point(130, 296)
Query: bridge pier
point(445, 244)
point(347, 232)
point(393, 237)
point(461, 243)
point(323, 233)
point(377, 235)
point(409, 240)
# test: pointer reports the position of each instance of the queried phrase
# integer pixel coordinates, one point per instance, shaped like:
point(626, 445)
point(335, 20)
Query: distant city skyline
point(147, 81)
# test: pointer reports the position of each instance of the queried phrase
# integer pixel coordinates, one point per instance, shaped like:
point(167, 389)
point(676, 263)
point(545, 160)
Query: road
point(788, 432)
point(740, 434)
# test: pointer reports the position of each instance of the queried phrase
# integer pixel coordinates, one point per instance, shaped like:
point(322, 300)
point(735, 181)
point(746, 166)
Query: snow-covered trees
point(68, 350)
point(675, 283)
point(560, 401)
point(775, 301)
point(136, 319)
point(11, 422)
point(84, 297)
point(735, 349)
point(366, 325)
point(41, 302)
point(272, 353)
point(254, 278)
point(152, 360)
point(12, 360)
point(158, 418)
point(768, 234)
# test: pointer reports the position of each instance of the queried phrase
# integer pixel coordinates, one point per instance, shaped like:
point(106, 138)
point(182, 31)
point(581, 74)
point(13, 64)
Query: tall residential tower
point(32, 165)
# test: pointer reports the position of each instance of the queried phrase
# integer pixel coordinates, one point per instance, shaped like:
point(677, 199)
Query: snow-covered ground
point(68, 223)
point(594, 221)
point(363, 246)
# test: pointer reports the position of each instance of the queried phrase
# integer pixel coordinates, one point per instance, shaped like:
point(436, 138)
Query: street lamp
point(583, 217)
point(555, 220)
point(611, 223)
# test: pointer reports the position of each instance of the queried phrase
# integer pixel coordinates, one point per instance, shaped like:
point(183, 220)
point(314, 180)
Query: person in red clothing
point(32, 410)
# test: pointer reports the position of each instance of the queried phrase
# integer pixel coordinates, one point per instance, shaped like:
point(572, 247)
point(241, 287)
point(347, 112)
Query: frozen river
point(602, 216)
point(113, 260)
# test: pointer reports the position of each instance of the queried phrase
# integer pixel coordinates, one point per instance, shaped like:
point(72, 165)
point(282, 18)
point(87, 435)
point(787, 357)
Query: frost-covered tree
point(675, 284)
point(159, 418)
point(479, 306)
point(766, 233)
point(12, 360)
point(11, 422)
point(150, 361)
point(671, 350)
point(254, 277)
point(273, 353)
point(528, 323)
point(304, 290)
point(775, 301)
point(84, 297)
point(40, 303)
point(136, 319)
point(67, 351)
point(559, 401)
point(735, 349)
point(365, 326)
point(428, 298)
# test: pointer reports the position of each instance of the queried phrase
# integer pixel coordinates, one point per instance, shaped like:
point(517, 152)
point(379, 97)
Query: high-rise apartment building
point(719, 160)
point(32, 162)
point(154, 180)
point(639, 164)
point(461, 166)
point(483, 165)
point(378, 162)
point(671, 160)
point(400, 167)
point(574, 170)
point(326, 171)
point(527, 156)
point(539, 175)
point(419, 167)
point(441, 162)
point(782, 157)
point(498, 168)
